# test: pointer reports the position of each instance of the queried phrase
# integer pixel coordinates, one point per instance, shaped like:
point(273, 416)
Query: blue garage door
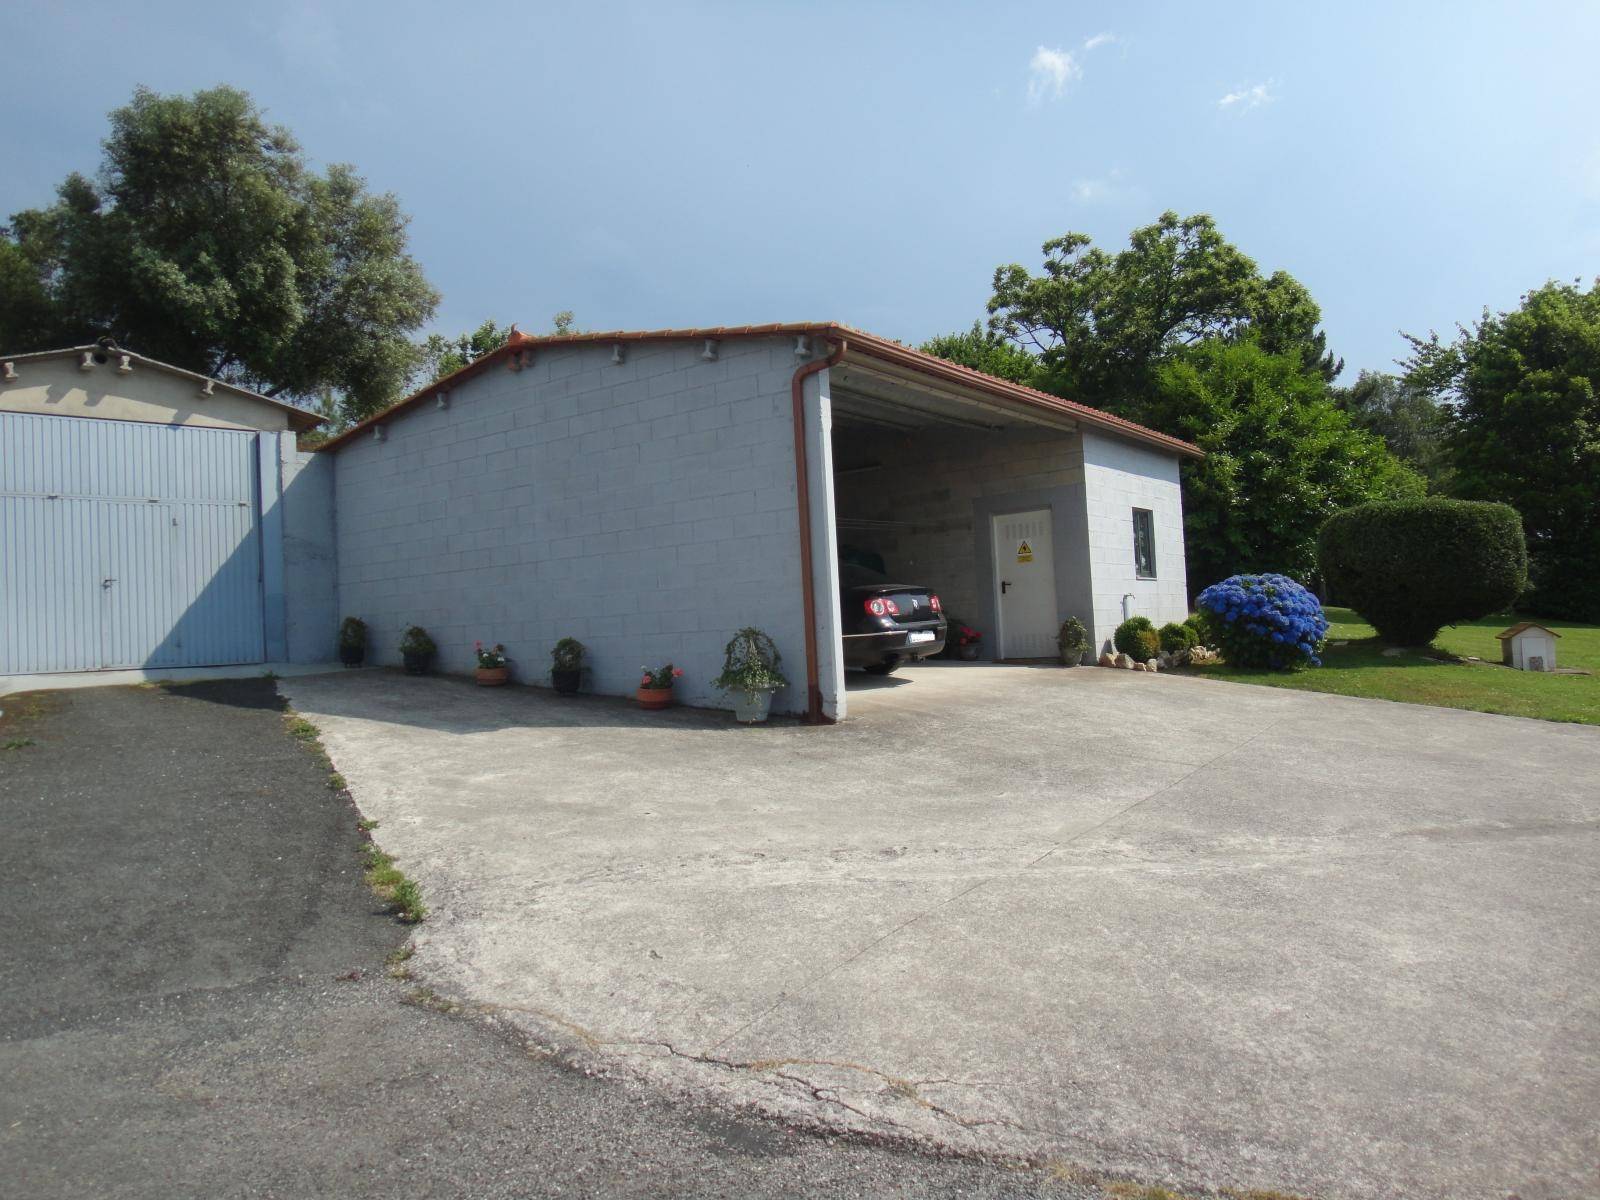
point(127, 545)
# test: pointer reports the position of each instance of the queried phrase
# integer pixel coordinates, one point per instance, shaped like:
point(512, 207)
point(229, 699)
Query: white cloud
point(1098, 40)
point(1103, 188)
point(1248, 98)
point(1049, 72)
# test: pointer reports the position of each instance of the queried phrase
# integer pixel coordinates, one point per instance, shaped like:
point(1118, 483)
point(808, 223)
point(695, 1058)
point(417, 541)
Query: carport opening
point(952, 495)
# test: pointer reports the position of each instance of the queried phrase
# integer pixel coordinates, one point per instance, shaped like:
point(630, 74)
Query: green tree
point(1102, 324)
point(1524, 390)
point(987, 351)
point(1280, 458)
point(206, 241)
point(439, 356)
point(1409, 420)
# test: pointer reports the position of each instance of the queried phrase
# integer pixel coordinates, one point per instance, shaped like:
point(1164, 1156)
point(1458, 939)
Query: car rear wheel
point(882, 668)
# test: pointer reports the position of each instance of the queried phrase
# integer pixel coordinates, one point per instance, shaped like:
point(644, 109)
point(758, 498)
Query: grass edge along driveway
point(1442, 674)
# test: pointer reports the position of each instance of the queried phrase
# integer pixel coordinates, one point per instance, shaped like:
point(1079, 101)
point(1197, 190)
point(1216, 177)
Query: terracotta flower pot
point(654, 698)
point(493, 676)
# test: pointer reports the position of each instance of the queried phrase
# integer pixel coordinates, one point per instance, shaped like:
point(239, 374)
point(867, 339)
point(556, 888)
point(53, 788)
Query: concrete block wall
point(310, 561)
point(646, 508)
point(1120, 476)
point(948, 483)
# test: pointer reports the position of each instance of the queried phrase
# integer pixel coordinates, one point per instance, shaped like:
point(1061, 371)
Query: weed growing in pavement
point(23, 709)
point(382, 876)
point(397, 960)
point(408, 900)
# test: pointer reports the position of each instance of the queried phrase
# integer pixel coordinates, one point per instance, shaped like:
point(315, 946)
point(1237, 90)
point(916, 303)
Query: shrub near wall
point(1265, 621)
point(1411, 567)
point(1136, 637)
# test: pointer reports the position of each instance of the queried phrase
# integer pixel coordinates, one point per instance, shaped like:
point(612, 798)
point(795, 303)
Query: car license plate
point(918, 637)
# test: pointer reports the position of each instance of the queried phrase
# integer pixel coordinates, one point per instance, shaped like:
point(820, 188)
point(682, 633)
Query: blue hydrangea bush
point(1265, 621)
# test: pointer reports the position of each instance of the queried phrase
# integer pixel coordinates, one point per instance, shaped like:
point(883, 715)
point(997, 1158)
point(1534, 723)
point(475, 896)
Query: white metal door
point(1025, 579)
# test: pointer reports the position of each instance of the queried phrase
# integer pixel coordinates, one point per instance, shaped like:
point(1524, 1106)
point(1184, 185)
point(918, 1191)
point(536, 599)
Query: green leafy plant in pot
point(353, 642)
point(566, 666)
point(655, 686)
point(492, 669)
point(1072, 640)
point(417, 649)
point(750, 674)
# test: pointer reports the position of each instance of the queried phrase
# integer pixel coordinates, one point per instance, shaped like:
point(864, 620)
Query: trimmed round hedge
point(1265, 621)
point(1176, 638)
point(1411, 567)
point(1136, 637)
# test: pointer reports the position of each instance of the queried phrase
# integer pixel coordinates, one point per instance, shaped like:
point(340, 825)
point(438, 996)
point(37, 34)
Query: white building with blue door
point(151, 517)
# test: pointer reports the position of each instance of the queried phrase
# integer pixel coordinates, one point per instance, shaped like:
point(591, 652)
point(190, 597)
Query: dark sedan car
point(885, 623)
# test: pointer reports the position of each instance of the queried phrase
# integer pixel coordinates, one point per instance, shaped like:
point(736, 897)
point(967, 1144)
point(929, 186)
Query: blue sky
point(651, 165)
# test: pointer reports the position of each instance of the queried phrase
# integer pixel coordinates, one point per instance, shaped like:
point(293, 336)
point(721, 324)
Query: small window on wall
point(1144, 543)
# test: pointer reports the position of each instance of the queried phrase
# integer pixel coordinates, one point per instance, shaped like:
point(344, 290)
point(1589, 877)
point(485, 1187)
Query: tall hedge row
point(1411, 567)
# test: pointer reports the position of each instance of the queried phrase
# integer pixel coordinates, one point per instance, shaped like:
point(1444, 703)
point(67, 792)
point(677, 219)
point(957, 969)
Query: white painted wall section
point(1120, 476)
point(824, 549)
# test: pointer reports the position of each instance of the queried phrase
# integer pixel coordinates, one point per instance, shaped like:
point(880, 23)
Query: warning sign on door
point(1024, 552)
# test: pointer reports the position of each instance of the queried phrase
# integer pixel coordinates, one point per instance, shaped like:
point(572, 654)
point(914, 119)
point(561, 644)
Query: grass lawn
point(1441, 675)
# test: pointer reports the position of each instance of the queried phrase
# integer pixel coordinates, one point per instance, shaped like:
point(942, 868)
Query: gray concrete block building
point(650, 493)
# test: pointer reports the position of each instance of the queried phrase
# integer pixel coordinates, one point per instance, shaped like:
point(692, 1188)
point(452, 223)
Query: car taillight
point(933, 603)
point(882, 606)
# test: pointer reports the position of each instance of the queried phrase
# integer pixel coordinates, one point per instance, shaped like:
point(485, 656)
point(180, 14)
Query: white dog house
point(1528, 647)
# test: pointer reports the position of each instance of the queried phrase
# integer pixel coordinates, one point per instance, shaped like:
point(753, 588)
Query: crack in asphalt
point(828, 1095)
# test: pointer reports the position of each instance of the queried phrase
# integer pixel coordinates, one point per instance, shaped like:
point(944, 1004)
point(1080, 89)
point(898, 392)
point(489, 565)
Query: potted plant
point(417, 649)
point(655, 688)
point(566, 666)
point(353, 642)
point(750, 671)
point(492, 670)
point(965, 639)
point(1072, 641)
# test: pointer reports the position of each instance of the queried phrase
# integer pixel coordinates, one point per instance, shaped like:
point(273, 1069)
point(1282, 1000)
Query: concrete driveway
point(1180, 929)
point(195, 1002)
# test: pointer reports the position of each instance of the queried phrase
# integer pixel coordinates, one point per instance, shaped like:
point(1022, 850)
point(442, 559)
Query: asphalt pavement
point(195, 1000)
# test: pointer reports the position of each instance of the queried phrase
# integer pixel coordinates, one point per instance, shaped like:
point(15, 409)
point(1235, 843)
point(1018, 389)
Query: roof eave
point(301, 420)
point(1093, 417)
point(860, 342)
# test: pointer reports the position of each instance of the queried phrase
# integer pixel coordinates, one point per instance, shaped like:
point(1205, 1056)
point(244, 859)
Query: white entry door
point(1025, 577)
